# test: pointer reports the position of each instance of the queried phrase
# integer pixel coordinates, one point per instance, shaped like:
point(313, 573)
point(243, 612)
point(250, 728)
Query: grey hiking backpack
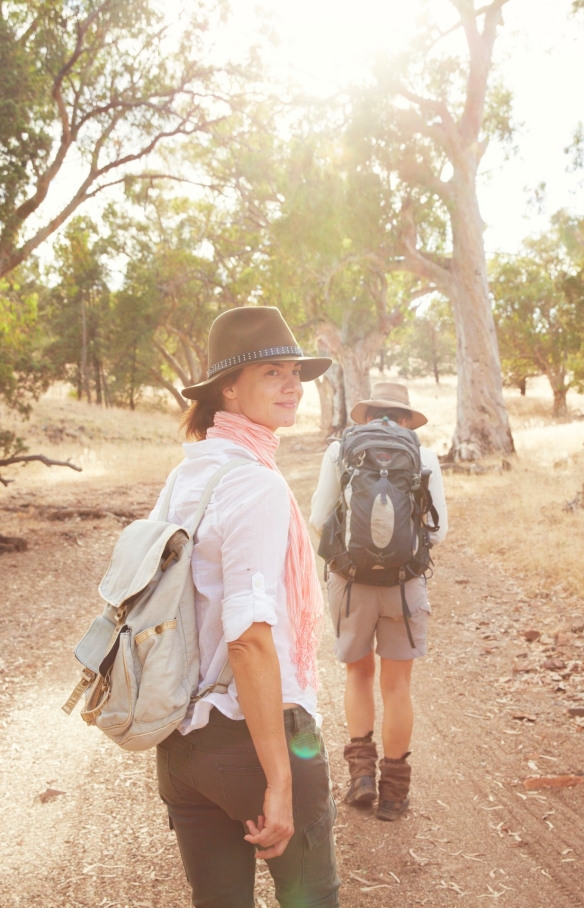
point(378, 533)
point(140, 657)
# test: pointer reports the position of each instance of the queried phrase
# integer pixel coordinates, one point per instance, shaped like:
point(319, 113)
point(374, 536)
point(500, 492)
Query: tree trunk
point(325, 394)
point(84, 376)
point(160, 380)
point(331, 391)
point(355, 356)
point(522, 385)
point(560, 390)
point(339, 417)
point(106, 396)
point(482, 426)
point(97, 370)
point(560, 405)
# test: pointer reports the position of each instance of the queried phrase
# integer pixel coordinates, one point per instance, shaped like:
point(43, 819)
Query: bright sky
point(540, 52)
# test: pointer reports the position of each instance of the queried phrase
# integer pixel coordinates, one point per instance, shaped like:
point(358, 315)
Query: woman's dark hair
point(201, 413)
point(393, 413)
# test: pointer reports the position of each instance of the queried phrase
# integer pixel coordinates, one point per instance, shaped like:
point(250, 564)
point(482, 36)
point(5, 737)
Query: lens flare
point(304, 746)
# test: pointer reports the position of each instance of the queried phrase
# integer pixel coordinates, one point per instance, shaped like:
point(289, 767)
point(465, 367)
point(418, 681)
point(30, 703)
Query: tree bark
point(84, 376)
point(339, 417)
point(522, 385)
point(356, 358)
point(482, 425)
point(560, 388)
point(331, 391)
point(160, 380)
point(325, 394)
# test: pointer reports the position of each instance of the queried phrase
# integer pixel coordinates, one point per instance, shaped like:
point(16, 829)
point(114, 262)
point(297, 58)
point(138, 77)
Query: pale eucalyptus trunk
point(355, 356)
point(482, 424)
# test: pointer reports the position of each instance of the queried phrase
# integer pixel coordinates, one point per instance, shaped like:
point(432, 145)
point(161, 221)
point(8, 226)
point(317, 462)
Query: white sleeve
point(253, 516)
point(436, 487)
point(328, 488)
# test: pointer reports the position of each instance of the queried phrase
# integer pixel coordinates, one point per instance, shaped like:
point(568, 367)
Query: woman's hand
point(275, 829)
point(256, 669)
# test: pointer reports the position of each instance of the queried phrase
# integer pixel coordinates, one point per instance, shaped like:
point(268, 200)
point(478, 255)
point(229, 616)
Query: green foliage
point(25, 369)
point(187, 261)
point(77, 310)
point(107, 79)
point(539, 310)
point(425, 344)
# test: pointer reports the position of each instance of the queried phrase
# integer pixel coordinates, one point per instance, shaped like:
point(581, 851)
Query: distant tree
point(105, 82)
point(426, 343)
point(186, 261)
point(77, 312)
point(539, 310)
point(422, 130)
point(25, 369)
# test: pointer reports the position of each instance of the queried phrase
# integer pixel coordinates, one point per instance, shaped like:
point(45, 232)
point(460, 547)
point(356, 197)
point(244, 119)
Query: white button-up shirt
point(238, 565)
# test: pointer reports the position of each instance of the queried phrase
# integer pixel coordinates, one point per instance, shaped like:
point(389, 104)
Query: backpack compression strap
point(226, 673)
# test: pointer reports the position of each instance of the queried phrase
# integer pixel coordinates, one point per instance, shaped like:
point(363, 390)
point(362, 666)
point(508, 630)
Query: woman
point(246, 774)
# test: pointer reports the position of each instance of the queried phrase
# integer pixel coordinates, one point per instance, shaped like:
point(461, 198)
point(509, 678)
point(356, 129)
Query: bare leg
point(398, 713)
point(359, 701)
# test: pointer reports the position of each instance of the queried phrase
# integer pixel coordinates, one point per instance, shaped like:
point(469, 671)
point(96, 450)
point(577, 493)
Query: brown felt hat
point(388, 394)
point(252, 334)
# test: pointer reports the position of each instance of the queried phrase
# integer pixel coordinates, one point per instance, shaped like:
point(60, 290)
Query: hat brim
point(359, 411)
point(312, 367)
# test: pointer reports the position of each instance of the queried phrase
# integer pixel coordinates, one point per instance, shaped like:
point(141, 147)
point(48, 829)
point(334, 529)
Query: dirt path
point(473, 832)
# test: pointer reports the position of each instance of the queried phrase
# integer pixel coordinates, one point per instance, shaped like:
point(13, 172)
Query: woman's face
point(267, 393)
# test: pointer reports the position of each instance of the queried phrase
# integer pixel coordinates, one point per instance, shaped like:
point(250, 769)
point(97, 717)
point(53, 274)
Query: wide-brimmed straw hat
point(240, 337)
point(388, 394)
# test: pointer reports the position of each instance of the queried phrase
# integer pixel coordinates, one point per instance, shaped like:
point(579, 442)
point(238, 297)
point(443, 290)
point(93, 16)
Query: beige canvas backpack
point(141, 655)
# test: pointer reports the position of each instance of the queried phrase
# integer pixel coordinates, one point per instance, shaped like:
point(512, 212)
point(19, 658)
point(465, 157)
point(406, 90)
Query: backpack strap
point(226, 674)
point(210, 488)
point(220, 685)
point(164, 507)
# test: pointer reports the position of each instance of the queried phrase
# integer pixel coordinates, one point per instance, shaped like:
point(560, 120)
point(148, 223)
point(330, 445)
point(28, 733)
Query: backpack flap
point(137, 557)
point(95, 643)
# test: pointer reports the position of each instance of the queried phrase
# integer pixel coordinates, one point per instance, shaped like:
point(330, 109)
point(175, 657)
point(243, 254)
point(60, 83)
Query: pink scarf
point(303, 593)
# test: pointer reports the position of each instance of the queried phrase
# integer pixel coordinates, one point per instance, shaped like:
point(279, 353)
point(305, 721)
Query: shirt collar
point(194, 449)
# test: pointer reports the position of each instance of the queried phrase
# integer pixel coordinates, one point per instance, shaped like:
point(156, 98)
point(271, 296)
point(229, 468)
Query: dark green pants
point(212, 782)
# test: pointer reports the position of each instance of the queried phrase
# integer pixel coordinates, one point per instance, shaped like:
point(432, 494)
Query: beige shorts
point(376, 612)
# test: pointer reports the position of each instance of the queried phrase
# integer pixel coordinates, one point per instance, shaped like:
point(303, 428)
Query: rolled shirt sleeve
point(254, 528)
point(328, 488)
point(436, 488)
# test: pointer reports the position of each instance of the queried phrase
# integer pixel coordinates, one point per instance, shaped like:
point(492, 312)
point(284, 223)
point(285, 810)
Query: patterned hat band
point(256, 355)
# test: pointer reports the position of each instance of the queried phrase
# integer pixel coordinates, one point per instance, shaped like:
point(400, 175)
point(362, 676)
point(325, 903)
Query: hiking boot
point(361, 755)
point(362, 791)
point(394, 786)
point(391, 810)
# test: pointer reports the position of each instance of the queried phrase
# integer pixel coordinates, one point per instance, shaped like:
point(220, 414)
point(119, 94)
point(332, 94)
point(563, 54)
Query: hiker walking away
point(228, 773)
point(379, 510)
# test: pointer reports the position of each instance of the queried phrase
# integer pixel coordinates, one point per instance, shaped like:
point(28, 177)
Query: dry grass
point(516, 517)
point(520, 517)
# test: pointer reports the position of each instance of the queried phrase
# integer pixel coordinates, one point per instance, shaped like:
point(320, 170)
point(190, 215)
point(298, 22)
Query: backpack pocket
point(95, 643)
point(161, 692)
point(118, 711)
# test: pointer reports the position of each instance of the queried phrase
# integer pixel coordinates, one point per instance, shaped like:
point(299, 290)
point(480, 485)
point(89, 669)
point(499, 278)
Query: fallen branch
point(553, 782)
point(26, 458)
point(48, 462)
